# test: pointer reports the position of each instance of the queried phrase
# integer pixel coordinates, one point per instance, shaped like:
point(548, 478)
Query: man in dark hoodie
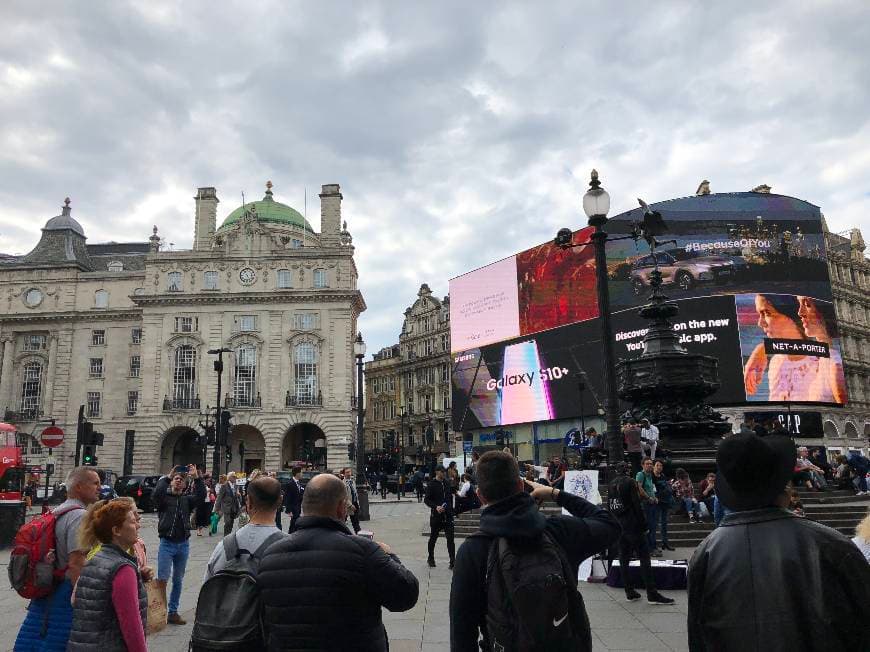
point(511, 513)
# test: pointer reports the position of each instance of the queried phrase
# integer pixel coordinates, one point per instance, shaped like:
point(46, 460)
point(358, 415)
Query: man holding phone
point(174, 508)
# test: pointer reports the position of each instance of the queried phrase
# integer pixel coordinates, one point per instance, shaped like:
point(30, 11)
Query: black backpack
point(228, 611)
point(532, 601)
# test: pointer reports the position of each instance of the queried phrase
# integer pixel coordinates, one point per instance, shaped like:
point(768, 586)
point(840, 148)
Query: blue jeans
point(664, 510)
point(719, 511)
point(652, 516)
point(172, 561)
point(692, 508)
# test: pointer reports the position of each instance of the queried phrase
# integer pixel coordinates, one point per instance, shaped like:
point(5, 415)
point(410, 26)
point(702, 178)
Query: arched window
point(101, 299)
point(31, 391)
point(245, 379)
point(305, 373)
point(184, 377)
point(116, 266)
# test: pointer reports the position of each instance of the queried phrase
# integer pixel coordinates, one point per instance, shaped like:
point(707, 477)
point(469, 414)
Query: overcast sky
point(460, 132)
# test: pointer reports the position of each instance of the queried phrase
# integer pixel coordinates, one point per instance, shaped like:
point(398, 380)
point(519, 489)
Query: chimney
point(330, 214)
point(206, 218)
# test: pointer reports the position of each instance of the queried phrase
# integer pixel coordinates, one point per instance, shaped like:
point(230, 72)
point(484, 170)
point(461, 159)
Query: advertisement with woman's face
point(790, 348)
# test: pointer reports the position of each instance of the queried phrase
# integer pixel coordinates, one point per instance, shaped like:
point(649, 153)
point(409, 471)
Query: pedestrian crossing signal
point(89, 455)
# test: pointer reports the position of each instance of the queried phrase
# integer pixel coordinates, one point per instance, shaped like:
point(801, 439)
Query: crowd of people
point(99, 598)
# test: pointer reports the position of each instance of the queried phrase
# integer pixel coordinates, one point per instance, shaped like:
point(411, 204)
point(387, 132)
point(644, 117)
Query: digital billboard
point(748, 271)
point(541, 288)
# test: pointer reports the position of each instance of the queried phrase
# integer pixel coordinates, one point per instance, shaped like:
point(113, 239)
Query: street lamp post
point(596, 204)
point(362, 485)
point(220, 435)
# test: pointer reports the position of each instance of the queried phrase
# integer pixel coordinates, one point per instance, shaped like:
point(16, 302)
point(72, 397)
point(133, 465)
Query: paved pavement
point(616, 624)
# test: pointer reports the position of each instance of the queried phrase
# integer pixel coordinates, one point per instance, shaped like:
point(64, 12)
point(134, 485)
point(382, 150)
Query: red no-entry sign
point(51, 437)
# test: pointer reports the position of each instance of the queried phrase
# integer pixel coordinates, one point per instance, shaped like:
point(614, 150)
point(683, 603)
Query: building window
point(320, 278)
point(34, 342)
point(135, 366)
point(247, 323)
point(184, 376)
point(445, 342)
point(31, 392)
point(186, 324)
point(285, 278)
point(136, 335)
point(132, 402)
point(210, 280)
point(305, 372)
point(101, 299)
point(296, 243)
point(96, 368)
point(305, 321)
point(173, 281)
point(245, 381)
point(94, 403)
point(445, 372)
point(98, 337)
point(445, 402)
point(116, 266)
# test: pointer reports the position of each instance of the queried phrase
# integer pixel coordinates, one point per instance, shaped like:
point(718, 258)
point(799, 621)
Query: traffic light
point(91, 437)
point(226, 422)
point(499, 438)
point(229, 454)
point(89, 455)
point(209, 435)
point(241, 449)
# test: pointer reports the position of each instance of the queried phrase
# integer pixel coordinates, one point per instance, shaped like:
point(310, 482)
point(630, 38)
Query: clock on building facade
point(247, 276)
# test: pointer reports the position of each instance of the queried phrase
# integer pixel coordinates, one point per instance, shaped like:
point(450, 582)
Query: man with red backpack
point(47, 624)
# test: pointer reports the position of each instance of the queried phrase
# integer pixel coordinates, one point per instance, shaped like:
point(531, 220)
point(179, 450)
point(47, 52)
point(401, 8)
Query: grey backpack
point(228, 612)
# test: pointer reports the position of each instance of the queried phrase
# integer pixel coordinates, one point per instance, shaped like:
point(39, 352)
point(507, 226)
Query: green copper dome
point(269, 211)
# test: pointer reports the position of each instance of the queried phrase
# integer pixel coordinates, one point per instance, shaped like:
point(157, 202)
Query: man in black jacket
point(322, 588)
point(439, 499)
point(767, 579)
point(514, 514)
point(623, 502)
point(174, 508)
point(293, 491)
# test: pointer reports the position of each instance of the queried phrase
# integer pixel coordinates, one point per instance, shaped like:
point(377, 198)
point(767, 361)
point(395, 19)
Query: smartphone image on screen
point(523, 396)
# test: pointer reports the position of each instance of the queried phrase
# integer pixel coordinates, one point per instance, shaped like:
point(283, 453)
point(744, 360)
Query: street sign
point(51, 437)
point(466, 446)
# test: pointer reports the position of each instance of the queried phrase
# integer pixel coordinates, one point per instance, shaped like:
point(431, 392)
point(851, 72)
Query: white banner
point(583, 484)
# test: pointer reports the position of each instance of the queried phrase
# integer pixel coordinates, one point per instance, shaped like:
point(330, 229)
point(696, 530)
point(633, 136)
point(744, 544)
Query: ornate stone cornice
point(315, 296)
point(110, 315)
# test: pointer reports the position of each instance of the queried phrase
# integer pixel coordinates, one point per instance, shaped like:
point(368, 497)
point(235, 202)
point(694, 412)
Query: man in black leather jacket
point(323, 588)
point(174, 508)
point(766, 579)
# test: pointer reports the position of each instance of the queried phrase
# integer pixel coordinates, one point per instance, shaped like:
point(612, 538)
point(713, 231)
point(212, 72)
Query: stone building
point(125, 329)
point(850, 280)
point(408, 386)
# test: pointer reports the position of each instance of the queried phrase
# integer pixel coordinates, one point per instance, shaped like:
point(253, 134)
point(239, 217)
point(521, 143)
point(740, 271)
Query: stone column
point(48, 403)
point(6, 374)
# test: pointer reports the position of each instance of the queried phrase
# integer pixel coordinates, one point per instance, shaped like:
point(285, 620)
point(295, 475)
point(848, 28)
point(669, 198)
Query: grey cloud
point(460, 133)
